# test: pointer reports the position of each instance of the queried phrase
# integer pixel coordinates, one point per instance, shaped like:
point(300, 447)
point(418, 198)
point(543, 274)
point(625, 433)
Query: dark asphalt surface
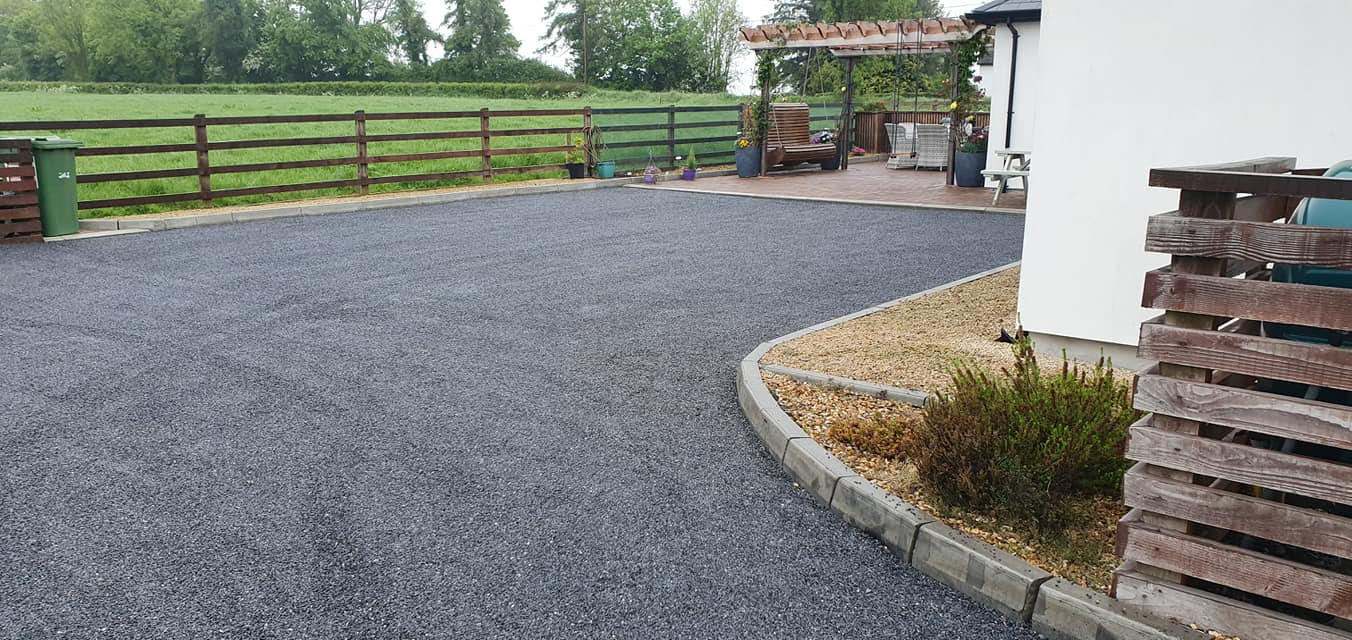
point(504, 418)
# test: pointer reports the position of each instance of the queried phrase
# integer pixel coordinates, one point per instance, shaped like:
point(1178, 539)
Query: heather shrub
point(877, 434)
point(1019, 441)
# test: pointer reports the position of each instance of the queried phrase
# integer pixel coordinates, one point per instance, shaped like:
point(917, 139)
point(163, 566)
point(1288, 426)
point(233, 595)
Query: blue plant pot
point(748, 162)
point(967, 169)
point(605, 169)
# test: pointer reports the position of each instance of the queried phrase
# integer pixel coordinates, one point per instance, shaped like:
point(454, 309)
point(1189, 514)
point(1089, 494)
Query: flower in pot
point(970, 159)
point(574, 159)
point(748, 156)
point(690, 167)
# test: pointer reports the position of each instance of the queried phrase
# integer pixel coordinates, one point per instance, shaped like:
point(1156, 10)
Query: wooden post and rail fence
point(1240, 497)
point(661, 135)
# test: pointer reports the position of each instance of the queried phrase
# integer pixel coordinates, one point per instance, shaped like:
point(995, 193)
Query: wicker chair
point(931, 146)
point(903, 145)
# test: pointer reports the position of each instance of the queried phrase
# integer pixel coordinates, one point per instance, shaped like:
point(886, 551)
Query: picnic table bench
point(1016, 165)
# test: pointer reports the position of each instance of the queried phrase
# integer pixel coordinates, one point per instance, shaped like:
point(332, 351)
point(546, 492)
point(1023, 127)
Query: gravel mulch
point(816, 409)
point(911, 344)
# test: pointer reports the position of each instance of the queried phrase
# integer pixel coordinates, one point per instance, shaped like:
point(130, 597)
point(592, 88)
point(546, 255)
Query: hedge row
point(469, 89)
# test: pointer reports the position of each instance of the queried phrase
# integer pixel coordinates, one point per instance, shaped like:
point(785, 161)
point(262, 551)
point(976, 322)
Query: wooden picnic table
point(1016, 165)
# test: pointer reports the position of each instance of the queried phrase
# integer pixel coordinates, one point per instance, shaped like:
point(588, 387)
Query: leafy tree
point(229, 31)
point(411, 32)
point(60, 28)
point(713, 26)
point(316, 40)
point(629, 44)
point(140, 40)
point(480, 30)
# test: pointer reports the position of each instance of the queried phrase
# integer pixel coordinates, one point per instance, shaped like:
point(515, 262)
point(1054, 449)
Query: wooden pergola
point(852, 40)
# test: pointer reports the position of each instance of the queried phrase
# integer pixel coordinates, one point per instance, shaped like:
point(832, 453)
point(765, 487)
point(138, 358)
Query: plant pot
point(967, 168)
point(576, 170)
point(833, 164)
point(605, 169)
point(687, 174)
point(650, 178)
point(748, 162)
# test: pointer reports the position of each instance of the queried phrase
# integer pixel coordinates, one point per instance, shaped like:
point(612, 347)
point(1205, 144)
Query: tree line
point(624, 44)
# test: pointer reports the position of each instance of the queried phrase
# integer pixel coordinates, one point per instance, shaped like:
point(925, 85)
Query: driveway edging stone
point(1007, 584)
point(302, 208)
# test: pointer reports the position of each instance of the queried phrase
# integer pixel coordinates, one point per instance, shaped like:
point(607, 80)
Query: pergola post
point(953, 127)
point(847, 115)
point(764, 81)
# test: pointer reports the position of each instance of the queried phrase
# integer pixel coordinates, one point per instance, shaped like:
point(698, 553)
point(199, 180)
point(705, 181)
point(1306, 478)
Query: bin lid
point(54, 142)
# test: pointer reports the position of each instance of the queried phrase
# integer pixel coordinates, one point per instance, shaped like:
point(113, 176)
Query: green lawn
point(33, 106)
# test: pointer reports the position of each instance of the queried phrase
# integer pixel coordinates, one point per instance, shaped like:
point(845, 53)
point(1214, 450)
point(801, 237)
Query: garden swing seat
point(788, 138)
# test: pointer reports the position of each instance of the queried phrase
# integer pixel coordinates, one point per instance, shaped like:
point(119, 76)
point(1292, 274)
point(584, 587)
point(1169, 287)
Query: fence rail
point(1240, 496)
point(19, 220)
point(629, 136)
point(204, 143)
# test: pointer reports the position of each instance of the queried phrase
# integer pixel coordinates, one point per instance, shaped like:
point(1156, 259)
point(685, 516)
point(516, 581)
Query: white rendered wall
point(995, 79)
point(1129, 86)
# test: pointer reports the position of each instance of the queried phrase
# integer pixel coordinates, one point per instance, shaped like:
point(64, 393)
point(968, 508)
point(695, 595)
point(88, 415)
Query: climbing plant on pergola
point(850, 41)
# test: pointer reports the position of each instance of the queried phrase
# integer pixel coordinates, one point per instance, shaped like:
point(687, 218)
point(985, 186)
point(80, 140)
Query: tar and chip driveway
point(500, 418)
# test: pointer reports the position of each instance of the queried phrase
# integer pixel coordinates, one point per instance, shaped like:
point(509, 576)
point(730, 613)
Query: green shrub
point(877, 434)
point(1018, 441)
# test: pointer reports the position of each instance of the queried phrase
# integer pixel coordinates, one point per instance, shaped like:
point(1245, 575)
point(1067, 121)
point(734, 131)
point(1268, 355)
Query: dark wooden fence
point(19, 220)
point(1240, 499)
point(870, 134)
point(198, 130)
point(669, 134)
point(629, 136)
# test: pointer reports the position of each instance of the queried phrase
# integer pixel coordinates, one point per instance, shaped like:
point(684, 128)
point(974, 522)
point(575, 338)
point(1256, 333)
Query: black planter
point(576, 170)
point(967, 169)
point(834, 163)
point(748, 162)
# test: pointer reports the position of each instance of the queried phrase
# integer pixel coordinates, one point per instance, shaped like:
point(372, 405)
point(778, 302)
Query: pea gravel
point(499, 418)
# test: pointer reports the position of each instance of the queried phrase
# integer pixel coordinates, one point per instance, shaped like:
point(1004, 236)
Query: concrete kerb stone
point(815, 469)
point(1067, 611)
point(980, 570)
point(881, 514)
point(297, 209)
point(885, 392)
point(1056, 608)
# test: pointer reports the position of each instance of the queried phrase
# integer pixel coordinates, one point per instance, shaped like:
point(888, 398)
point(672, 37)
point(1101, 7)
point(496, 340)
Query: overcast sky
point(528, 25)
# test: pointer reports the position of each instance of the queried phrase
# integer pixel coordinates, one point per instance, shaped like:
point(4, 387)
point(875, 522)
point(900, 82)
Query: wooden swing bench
point(788, 139)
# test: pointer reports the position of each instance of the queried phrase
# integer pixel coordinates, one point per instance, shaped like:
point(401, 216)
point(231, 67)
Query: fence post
point(199, 127)
point(363, 175)
point(671, 135)
point(590, 158)
point(485, 145)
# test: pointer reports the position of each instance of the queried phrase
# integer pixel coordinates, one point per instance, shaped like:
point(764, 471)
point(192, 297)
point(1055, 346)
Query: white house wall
point(995, 79)
point(1129, 86)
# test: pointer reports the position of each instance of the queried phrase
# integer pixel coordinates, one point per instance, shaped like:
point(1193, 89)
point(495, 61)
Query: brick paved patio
point(862, 182)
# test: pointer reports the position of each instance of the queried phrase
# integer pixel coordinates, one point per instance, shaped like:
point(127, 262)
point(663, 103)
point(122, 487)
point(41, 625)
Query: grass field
point(33, 106)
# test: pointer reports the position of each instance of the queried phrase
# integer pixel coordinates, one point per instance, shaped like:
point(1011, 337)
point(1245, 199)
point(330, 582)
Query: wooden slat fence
point(667, 132)
point(1241, 496)
point(19, 221)
point(198, 129)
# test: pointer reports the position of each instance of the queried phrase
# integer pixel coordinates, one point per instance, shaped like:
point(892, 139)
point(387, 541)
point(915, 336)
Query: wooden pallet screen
point(19, 220)
point(1241, 496)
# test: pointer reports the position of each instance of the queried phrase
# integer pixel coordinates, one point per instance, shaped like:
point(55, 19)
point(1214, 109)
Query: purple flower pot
point(687, 174)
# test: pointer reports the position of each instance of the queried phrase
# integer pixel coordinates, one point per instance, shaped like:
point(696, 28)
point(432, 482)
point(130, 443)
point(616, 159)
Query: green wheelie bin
point(54, 162)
